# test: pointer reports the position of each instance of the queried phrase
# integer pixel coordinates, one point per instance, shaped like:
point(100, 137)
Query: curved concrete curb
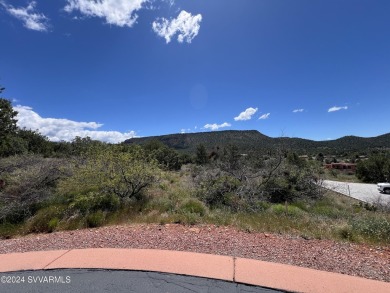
point(246, 271)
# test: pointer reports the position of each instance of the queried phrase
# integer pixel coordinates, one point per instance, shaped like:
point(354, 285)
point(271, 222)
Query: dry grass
point(172, 201)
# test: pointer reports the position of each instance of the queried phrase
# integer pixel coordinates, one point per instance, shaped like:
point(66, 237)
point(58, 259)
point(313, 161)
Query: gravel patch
point(372, 262)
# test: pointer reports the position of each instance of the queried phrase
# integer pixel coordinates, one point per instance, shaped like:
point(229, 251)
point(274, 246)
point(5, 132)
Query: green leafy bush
point(93, 201)
point(124, 173)
point(375, 169)
point(216, 189)
point(95, 219)
point(289, 210)
point(7, 230)
point(52, 225)
point(193, 206)
point(167, 158)
point(162, 204)
point(46, 219)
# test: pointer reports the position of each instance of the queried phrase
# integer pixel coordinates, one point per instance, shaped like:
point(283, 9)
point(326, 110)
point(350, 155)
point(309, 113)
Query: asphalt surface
point(84, 280)
point(368, 193)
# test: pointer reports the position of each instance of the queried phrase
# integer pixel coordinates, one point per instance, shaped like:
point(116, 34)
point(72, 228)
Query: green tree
point(201, 155)
point(8, 126)
point(167, 158)
point(294, 159)
point(320, 157)
point(111, 171)
point(7, 117)
point(375, 169)
point(232, 157)
point(35, 142)
point(84, 145)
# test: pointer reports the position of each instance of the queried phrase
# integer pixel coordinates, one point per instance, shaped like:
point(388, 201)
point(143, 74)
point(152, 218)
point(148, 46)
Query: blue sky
point(112, 69)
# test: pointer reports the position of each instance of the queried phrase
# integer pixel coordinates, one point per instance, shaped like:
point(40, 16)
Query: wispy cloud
point(116, 12)
point(185, 130)
point(264, 116)
point(170, 2)
point(216, 126)
point(246, 115)
point(335, 108)
point(66, 130)
point(31, 19)
point(298, 110)
point(185, 25)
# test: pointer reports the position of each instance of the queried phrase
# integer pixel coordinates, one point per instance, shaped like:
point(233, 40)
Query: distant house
point(347, 167)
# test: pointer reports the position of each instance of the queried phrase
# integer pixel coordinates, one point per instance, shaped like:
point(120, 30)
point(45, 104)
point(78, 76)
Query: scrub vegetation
point(47, 186)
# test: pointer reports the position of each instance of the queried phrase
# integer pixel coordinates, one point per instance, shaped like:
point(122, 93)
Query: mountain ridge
point(249, 140)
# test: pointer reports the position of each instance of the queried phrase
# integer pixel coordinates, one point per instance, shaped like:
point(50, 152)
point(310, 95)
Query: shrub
point(346, 233)
point(162, 204)
point(96, 219)
point(93, 201)
point(187, 218)
point(193, 206)
point(30, 181)
point(7, 230)
point(76, 221)
point(261, 206)
point(289, 210)
point(46, 219)
point(53, 223)
point(215, 189)
point(124, 173)
point(374, 228)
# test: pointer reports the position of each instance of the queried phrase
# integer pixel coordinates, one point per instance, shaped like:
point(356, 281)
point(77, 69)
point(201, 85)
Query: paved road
point(365, 192)
point(94, 281)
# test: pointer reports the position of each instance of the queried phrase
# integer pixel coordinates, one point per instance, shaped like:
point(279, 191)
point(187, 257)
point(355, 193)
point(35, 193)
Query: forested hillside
point(252, 140)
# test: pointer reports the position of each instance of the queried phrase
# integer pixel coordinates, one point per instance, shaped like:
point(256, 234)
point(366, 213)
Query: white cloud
point(264, 116)
point(170, 2)
point(335, 108)
point(186, 25)
point(246, 115)
point(185, 130)
point(31, 19)
point(216, 126)
point(298, 110)
point(64, 129)
point(116, 12)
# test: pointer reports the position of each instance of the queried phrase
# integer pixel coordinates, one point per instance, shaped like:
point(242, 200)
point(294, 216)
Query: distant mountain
point(348, 143)
point(252, 140)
